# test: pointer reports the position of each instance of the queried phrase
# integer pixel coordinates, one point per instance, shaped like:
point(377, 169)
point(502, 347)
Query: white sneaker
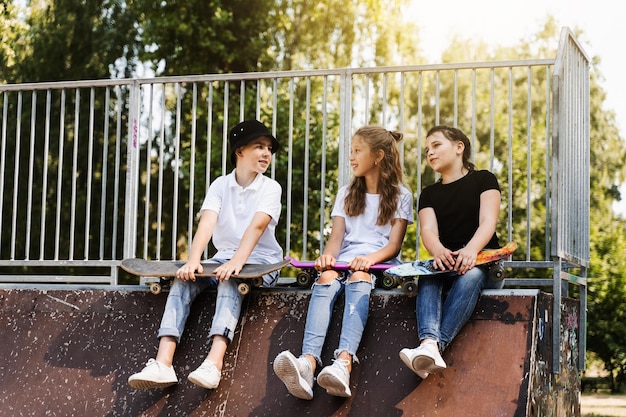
point(206, 376)
point(296, 374)
point(423, 360)
point(406, 355)
point(153, 375)
point(335, 378)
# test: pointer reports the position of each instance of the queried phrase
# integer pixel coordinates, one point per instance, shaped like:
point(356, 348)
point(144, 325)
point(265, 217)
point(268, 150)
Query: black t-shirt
point(457, 207)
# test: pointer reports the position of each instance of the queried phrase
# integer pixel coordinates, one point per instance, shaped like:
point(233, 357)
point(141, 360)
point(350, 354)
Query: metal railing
point(92, 172)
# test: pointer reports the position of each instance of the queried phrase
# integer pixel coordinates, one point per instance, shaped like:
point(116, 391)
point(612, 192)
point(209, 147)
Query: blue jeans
point(440, 317)
point(320, 312)
point(227, 305)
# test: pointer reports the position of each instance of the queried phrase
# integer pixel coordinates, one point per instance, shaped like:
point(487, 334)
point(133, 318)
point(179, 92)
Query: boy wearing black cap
point(240, 213)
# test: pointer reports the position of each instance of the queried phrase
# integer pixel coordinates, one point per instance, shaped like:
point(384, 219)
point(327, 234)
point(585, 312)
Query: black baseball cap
point(246, 131)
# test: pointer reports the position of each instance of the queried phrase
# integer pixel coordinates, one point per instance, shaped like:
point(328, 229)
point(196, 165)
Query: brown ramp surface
point(69, 353)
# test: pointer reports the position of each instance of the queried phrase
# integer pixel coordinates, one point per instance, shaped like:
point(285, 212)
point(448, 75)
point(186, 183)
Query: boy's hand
point(187, 271)
point(227, 269)
point(325, 262)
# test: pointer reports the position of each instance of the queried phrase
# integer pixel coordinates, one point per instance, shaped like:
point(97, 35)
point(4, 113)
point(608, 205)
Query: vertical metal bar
point(345, 121)
point(192, 165)
point(57, 234)
point(225, 128)
point(44, 180)
point(161, 174)
point(274, 123)
point(16, 173)
point(456, 98)
point(30, 177)
point(3, 155)
point(75, 139)
point(492, 105)
point(510, 160)
point(105, 171)
point(420, 122)
point(209, 137)
point(473, 129)
point(437, 96)
point(556, 317)
point(289, 166)
point(242, 100)
point(175, 201)
point(132, 172)
point(323, 164)
point(383, 120)
point(528, 159)
point(548, 200)
point(257, 111)
point(116, 181)
point(148, 192)
point(305, 196)
point(92, 100)
point(402, 117)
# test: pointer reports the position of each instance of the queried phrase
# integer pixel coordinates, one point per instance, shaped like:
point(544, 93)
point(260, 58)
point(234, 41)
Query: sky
point(504, 23)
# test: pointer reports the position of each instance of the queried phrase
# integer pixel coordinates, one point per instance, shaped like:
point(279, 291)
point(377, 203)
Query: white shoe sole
point(333, 385)
point(413, 364)
point(427, 364)
point(147, 384)
point(287, 371)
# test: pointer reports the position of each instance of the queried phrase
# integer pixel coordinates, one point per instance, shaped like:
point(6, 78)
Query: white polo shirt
point(236, 206)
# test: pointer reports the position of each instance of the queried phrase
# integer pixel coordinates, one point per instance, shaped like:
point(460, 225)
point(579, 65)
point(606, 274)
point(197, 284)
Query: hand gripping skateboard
point(166, 271)
point(308, 272)
point(406, 273)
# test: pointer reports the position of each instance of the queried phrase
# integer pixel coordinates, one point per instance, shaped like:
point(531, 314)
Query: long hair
point(456, 135)
point(378, 138)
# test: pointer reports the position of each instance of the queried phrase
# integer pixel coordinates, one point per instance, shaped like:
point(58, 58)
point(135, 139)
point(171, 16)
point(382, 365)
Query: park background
point(71, 40)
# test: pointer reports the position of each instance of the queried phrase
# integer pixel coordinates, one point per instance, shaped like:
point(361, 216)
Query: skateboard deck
point(166, 271)
point(421, 268)
point(308, 272)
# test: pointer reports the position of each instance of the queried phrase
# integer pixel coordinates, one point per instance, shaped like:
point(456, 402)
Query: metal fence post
point(132, 172)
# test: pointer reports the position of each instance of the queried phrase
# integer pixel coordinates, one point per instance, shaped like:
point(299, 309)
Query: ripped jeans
point(227, 305)
point(320, 312)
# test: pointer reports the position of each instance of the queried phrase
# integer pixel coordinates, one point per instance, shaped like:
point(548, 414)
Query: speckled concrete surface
point(69, 353)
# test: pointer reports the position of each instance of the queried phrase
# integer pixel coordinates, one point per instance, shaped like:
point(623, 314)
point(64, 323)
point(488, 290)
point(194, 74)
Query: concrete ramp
point(69, 353)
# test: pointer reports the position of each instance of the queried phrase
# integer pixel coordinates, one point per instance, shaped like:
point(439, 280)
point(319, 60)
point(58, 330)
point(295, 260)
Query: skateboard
point(308, 272)
point(251, 275)
point(406, 274)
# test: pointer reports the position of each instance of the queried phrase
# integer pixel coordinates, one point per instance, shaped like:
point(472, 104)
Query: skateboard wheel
point(496, 272)
point(388, 282)
point(409, 288)
point(155, 288)
point(243, 288)
point(304, 279)
point(257, 282)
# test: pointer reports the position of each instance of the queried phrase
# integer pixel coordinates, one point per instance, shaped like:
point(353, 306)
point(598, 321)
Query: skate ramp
point(70, 353)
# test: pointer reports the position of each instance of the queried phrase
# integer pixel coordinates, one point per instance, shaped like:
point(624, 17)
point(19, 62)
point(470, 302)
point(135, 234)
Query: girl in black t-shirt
point(458, 216)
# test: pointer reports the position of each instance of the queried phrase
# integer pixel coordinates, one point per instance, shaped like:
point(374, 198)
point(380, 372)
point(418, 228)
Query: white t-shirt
point(363, 236)
point(236, 206)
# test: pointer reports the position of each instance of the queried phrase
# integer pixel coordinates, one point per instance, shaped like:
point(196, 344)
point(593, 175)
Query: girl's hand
point(187, 271)
point(465, 260)
point(360, 263)
point(325, 262)
point(444, 260)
